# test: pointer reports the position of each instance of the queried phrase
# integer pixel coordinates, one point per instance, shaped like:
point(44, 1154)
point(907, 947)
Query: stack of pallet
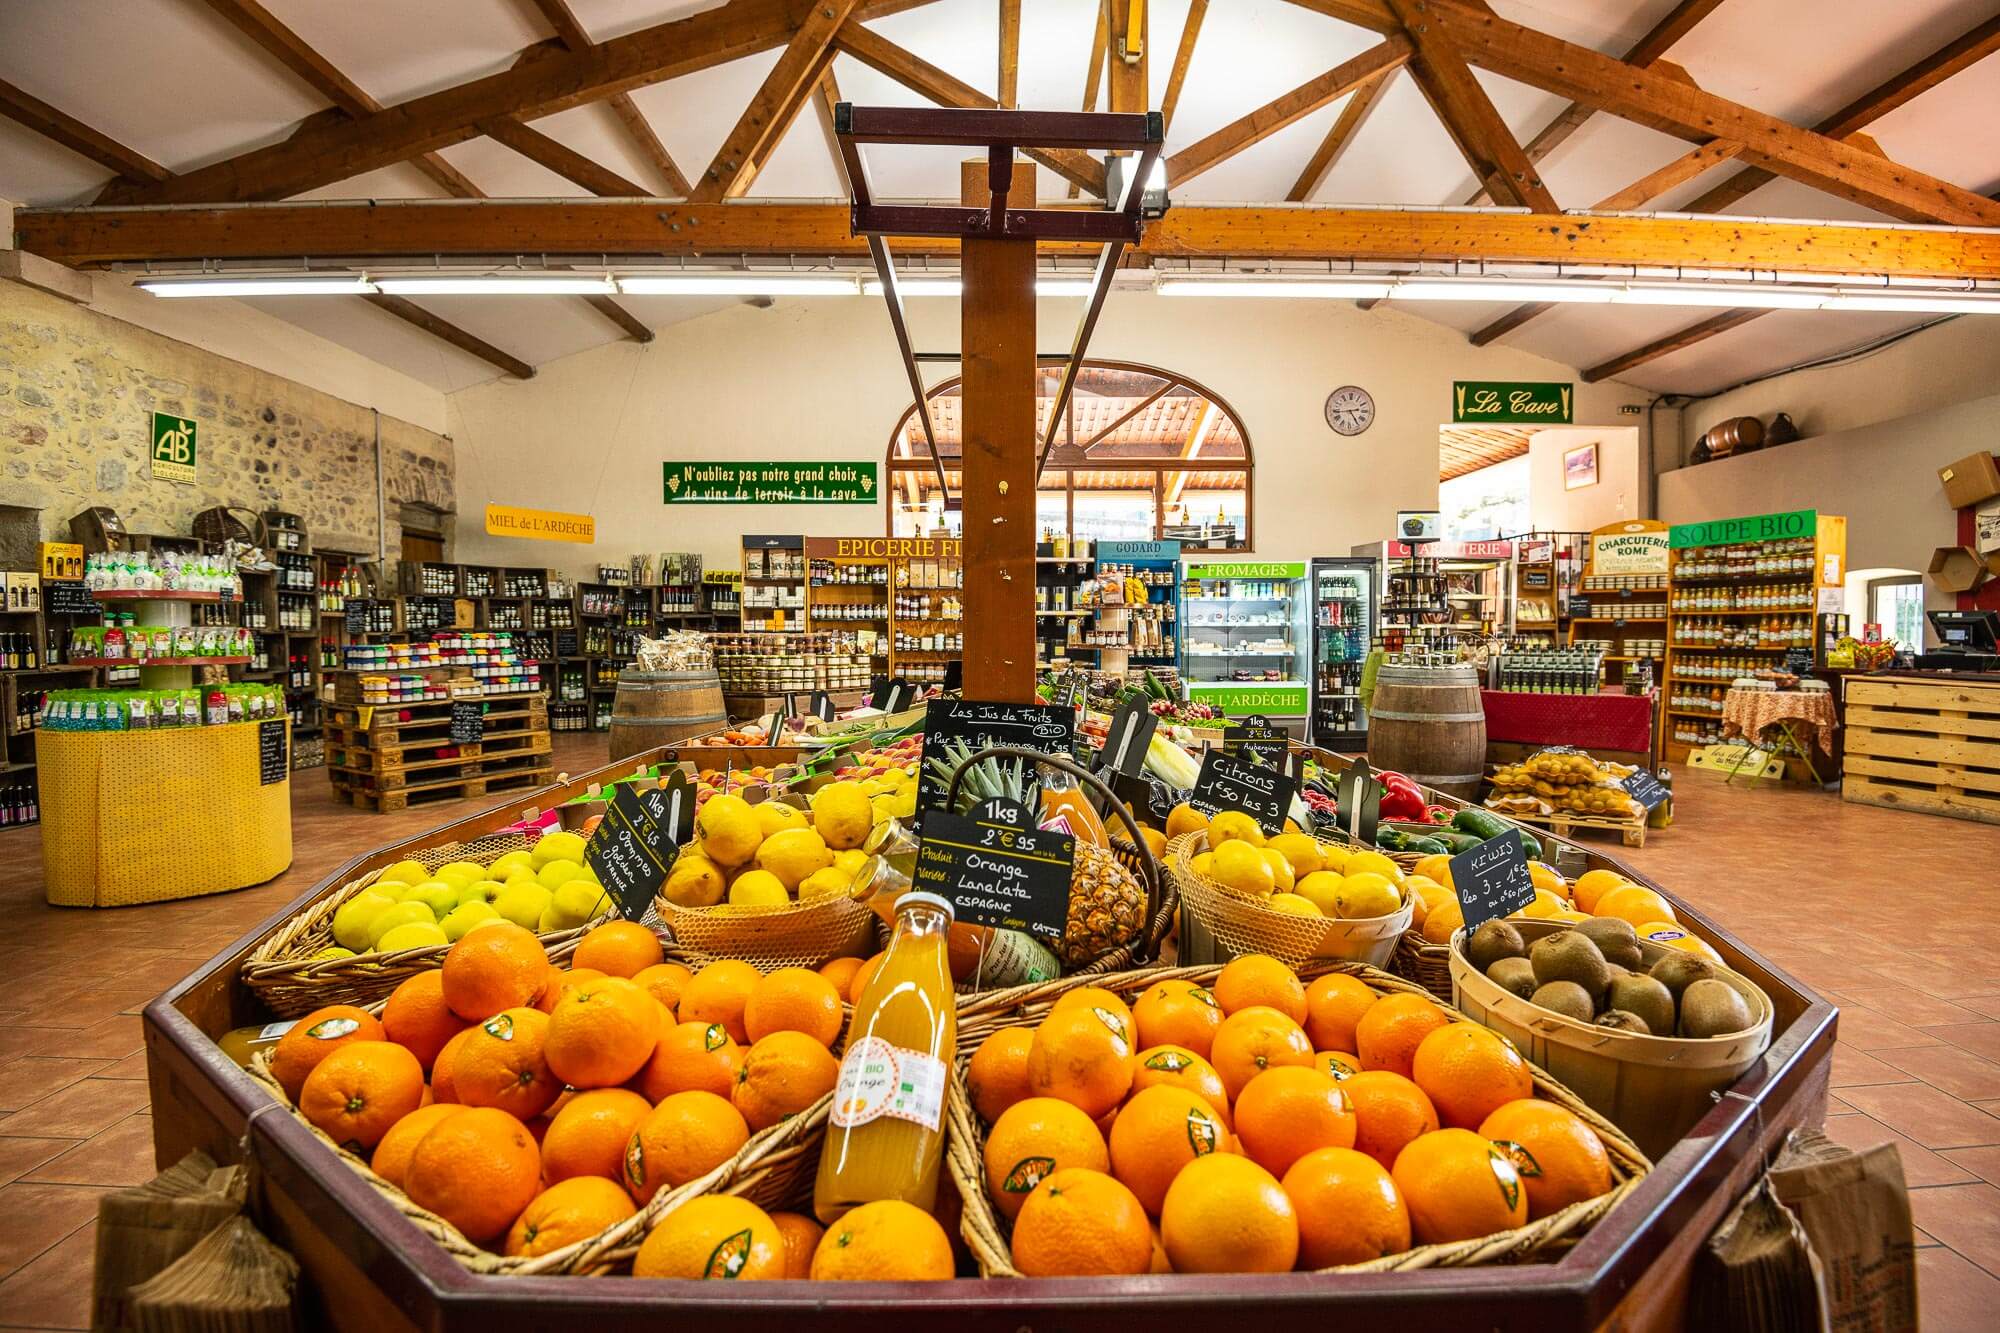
point(388, 757)
point(1924, 742)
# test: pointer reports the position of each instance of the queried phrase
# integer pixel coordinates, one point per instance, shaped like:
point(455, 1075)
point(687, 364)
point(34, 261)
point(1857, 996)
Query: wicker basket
point(1025, 1006)
point(224, 522)
point(1427, 964)
point(1241, 924)
point(283, 973)
point(803, 934)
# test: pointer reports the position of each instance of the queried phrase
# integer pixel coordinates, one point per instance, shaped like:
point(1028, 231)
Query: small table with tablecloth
point(1805, 718)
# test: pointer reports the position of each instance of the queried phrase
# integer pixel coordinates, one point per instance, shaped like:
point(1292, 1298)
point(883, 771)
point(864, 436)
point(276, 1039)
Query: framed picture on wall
point(1580, 467)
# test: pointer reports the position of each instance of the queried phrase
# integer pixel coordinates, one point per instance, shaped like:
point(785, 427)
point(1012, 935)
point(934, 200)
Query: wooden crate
point(381, 760)
point(1926, 745)
point(1633, 831)
point(388, 802)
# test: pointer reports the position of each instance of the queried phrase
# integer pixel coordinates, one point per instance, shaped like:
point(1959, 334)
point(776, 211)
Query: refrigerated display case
point(1343, 626)
point(1246, 641)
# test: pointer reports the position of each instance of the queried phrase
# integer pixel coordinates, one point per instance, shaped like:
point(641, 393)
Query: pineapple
point(1107, 907)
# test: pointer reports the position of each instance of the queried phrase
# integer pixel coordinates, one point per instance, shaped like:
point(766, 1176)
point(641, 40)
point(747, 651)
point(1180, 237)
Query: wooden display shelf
point(143, 662)
point(388, 802)
point(158, 595)
point(1929, 745)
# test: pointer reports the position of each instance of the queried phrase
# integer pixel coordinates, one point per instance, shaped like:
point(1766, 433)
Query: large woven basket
point(1427, 964)
point(799, 934)
point(1242, 924)
point(1025, 1006)
point(283, 973)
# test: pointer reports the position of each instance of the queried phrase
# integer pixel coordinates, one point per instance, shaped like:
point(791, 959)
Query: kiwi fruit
point(1493, 941)
point(1644, 998)
point(1569, 956)
point(1620, 1020)
point(1679, 970)
point(1711, 1008)
point(1565, 998)
point(1513, 974)
point(1615, 939)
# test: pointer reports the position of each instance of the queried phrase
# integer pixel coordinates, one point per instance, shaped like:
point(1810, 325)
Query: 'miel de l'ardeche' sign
point(546, 525)
point(798, 482)
point(1756, 528)
point(1529, 402)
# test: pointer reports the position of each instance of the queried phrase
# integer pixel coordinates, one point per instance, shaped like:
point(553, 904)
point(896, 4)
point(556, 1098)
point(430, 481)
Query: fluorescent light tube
point(497, 284)
point(1919, 303)
point(330, 285)
point(1306, 288)
point(1448, 289)
point(736, 284)
point(1735, 298)
point(956, 287)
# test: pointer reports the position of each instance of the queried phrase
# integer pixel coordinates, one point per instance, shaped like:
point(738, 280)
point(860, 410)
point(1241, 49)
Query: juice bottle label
point(878, 1079)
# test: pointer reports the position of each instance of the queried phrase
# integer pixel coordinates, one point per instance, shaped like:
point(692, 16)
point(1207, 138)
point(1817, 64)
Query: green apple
point(415, 935)
point(353, 918)
point(402, 914)
point(503, 867)
point(575, 903)
point(554, 874)
point(523, 903)
point(556, 845)
point(464, 917)
point(405, 872)
point(480, 891)
point(460, 873)
point(439, 896)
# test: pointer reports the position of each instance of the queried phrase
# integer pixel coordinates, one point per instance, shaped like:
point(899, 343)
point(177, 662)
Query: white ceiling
point(170, 79)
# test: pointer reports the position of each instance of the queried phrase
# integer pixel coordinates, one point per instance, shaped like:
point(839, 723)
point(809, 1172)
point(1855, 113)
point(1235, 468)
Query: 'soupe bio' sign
point(1756, 528)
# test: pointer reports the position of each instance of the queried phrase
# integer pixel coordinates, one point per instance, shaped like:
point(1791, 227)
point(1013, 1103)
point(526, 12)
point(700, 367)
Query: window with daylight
point(1141, 454)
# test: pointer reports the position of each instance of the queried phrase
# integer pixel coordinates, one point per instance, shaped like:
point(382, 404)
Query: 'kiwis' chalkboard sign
point(1492, 879)
point(274, 762)
point(1258, 790)
point(468, 721)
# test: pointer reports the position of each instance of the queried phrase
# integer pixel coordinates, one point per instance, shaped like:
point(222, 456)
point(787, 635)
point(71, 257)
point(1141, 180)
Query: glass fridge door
point(1343, 609)
point(1244, 636)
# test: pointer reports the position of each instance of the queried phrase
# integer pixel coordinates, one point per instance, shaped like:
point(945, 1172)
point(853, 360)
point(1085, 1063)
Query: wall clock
point(1350, 410)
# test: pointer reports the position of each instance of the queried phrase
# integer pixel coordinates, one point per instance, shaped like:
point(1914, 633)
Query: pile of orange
point(1262, 1124)
point(533, 1106)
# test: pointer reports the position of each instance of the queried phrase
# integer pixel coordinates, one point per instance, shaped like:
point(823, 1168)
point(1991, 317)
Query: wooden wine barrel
point(1738, 435)
point(664, 708)
point(1428, 723)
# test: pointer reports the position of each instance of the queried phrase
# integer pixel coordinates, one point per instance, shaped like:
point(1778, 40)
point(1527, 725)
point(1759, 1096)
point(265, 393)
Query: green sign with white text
point(1527, 402)
point(1240, 700)
point(1756, 528)
point(1247, 569)
point(174, 447)
point(797, 482)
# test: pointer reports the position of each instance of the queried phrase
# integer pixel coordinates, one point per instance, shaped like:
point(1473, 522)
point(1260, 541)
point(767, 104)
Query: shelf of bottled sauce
point(1762, 634)
point(1787, 560)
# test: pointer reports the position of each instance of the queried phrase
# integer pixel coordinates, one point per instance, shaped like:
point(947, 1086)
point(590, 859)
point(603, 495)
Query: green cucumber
point(1427, 846)
point(1481, 824)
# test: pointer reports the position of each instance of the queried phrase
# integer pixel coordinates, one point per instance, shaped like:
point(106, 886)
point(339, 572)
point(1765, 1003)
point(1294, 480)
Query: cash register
point(1967, 641)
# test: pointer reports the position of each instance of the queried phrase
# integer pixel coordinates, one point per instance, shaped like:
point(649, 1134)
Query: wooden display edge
point(373, 1269)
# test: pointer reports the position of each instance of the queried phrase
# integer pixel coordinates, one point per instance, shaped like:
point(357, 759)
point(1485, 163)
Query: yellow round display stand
point(148, 816)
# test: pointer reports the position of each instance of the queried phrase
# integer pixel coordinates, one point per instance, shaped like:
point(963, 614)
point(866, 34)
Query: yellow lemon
point(1374, 863)
point(1301, 851)
point(758, 888)
point(1202, 863)
point(832, 882)
point(1434, 867)
point(694, 882)
point(1241, 867)
point(777, 816)
point(1292, 905)
point(850, 861)
point(1234, 826)
point(794, 853)
point(1281, 869)
point(842, 814)
point(1185, 819)
point(729, 832)
point(1319, 888)
point(1335, 858)
point(1366, 895)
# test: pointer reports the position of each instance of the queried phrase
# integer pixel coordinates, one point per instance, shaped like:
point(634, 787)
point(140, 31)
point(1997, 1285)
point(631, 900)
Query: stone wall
point(77, 394)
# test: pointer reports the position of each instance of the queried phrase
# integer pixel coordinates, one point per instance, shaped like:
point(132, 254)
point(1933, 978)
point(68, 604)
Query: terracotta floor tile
point(1906, 1004)
point(80, 1110)
point(20, 1156)
point(1834, 1105)
point(1982, 1162)
point(1964, 1217)
point(123, 1155)
point(1981, 1038)
point(1954, 1295)
point(47, 1293)
point(1866, 1030)
point(1921, 1166)
point(28, 1080)
point(113, 1038)
point(38, 1216)
point(1933, 1118)
point(132, 1066)
point(1852, 1068)
point(16, 1042)
point(1958, 1072)
point(1987, 1006)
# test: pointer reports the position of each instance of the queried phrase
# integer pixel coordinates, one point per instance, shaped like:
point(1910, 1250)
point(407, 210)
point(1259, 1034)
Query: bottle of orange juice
point(885, 1137)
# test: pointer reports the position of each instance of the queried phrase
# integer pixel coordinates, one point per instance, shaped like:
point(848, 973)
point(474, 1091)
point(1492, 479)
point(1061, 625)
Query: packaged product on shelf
point(141, 710)
point(1567, 781)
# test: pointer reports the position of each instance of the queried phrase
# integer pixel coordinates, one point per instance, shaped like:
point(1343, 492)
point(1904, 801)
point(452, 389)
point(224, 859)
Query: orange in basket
point(392, 1155)
point(1388, 1035)
point(1178, 1013)
point(692, 1057)
point(499, 966)
point(1082, 1057)
point(1459, 1186)
point(619, 949)
point(566, 1212)
point(602, 1033)
point(358, 1092)
point(501, 1065)
point(316, 1036)
point(417, 1017)
point(477, 1170)
point(686, 1136)
point(588, 1133)
point(1253, 1040)
point(1561, 1159)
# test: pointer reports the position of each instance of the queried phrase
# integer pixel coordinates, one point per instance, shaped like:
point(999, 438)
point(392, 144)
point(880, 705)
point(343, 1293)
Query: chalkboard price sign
point(637, 842)
point(897, 695)
point(1258, 790)
point(468, 721)
point(1358, 797)
point(1071, 693)
point(998, 869)
point(1131, 734)
point(1256, 739)
point(69, 597)
point(1646, 789)
point(954, 677)
point(821, 706)
point(1042, 727)
point(566, 643)
point(1492, 879)
point(274, 764)
point(354, 612)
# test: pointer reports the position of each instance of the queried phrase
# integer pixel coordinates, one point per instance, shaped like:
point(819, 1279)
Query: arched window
point(1142, 454)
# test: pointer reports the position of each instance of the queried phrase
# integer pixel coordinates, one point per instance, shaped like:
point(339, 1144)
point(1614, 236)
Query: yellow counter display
point(148, 816)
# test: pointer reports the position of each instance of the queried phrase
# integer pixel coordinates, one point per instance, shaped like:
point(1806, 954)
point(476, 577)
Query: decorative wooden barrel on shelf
point(1738, 435)
point(655, 708)
point(1428, 723)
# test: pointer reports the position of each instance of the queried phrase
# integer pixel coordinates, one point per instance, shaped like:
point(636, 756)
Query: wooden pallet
point(1927, 746)
point(1633, 831)
point(454, 789)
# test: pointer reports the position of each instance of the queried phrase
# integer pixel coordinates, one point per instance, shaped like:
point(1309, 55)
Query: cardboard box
point(1972, 479)
point(23, 592)
point(62, 560)
point(1957, 568)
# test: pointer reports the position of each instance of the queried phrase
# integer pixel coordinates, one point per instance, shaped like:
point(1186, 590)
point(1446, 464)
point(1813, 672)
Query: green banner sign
point(174, 443)
point(799, 482)
point(1526, 402)
point(1756, 528)
point(1240, 700)
point(1248, 569)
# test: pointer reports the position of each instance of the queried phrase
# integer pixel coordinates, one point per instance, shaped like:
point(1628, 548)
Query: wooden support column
point(997, 331)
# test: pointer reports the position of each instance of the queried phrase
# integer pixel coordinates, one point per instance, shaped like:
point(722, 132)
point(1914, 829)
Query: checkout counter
point(1928, 740)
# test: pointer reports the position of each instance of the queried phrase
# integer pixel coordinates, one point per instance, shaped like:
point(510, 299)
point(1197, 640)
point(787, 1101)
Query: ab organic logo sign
point(174, 445)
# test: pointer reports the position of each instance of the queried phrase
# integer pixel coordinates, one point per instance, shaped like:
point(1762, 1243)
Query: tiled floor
point(1889, 915)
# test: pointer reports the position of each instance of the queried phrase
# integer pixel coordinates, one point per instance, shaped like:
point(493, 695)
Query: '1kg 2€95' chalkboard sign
point(998, 869)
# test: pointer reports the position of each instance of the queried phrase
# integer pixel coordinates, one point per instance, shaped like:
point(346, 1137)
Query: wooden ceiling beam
point(1663, 103)
point(920, 76)
point(1676, 24)
point(1183, 57)
point(1093, 78)
point(364, 230)
point(775, 105)
point(1345, 126)
point(1374, 15)
point(1246, 131)
point(33, 113)
point(628, 323)
point(1126, 47)
point(1469, 116)
point(1673, 342)
point(1010, 52)
point(322, 153)
point(575, 37)
point(411, 313)
point(560, 158)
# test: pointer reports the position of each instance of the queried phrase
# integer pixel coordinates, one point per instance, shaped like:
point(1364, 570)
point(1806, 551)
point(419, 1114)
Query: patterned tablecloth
point(1749, 712)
